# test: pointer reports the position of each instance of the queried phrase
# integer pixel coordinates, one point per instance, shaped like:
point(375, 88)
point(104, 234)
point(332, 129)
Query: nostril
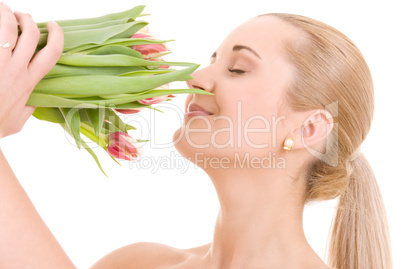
point(198, 87)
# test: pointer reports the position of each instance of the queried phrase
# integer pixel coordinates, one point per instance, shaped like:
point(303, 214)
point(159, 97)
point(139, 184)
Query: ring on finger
point(5, 45)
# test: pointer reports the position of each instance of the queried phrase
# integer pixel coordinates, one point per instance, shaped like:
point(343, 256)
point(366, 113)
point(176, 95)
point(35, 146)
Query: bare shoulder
point(148, 255)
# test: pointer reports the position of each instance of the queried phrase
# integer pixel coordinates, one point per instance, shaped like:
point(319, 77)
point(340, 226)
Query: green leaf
point(131, 105)
point(103, 85)
point(85, 145)
point(153, 108)
point(130, 13)
point(60, 70)
point(84, 48)
point(96, 117)
point(114, 159)
point(123, 95)
point(154, 93)
point(95, 36)
point(143, 72)
point(93, 155)
point(130, 127)
point(48, 100)
point(72, 121)
point(73, 28)
point(111, 60)
point(49, 114)
point(89, 132)
point(113, 119)
point(116, 49)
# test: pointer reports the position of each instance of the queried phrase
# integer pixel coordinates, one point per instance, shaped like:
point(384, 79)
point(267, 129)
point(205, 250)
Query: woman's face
point(247, 75)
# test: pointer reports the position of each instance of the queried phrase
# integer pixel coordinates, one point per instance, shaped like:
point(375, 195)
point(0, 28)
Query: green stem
point(89, 132)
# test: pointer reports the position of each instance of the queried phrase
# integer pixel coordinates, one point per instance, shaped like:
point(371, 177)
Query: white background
point(92, 215)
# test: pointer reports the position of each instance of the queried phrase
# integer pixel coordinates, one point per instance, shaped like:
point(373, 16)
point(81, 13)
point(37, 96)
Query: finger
point(47, 57)
point(27, 41)
point(8, 31)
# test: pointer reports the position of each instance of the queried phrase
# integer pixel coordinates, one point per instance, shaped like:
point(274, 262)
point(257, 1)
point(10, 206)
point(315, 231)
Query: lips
point(196, 110)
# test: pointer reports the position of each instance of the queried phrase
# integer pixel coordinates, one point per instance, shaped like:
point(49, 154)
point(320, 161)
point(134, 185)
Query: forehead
point(265, 34)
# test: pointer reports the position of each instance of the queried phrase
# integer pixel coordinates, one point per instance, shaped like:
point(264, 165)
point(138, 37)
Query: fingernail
point(4, 4)
point(55, 23)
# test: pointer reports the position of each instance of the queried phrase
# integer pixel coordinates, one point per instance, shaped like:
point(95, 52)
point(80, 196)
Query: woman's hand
point(25, 240)
point(19, 72)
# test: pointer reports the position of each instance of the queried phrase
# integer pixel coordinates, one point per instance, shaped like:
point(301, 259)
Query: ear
point(314, 130)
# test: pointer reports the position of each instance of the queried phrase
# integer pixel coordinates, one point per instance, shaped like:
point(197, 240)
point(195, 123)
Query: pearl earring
point(288, 144)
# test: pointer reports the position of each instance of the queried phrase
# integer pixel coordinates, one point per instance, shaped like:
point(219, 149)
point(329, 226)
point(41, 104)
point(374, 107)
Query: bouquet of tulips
point(109, 65)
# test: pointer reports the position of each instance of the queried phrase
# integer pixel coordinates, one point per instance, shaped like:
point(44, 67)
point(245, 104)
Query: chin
point(180, 144)
point(185, 148)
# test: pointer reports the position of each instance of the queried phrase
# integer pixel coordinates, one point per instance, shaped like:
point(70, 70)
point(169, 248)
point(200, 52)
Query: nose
point(202, 79)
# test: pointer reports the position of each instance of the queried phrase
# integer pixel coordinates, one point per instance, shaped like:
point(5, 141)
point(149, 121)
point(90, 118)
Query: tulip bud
point(144, 30)
point(122, 146)
point(149, 51)
point(157, 99)
point(130, 110)
point(153, 100)
point(162, 66)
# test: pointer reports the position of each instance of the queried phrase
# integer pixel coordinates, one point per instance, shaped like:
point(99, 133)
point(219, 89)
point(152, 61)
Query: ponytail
point(360, 236)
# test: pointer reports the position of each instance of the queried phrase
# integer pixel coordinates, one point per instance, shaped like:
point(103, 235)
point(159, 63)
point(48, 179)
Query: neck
point(260, 222)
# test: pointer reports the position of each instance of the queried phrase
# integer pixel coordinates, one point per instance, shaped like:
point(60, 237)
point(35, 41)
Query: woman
point(284, 86)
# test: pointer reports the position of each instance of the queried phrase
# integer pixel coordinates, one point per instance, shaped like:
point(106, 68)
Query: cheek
point(246, 121)
point(253, 118)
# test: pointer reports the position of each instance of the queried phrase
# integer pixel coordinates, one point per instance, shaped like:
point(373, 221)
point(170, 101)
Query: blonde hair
point(330, 68)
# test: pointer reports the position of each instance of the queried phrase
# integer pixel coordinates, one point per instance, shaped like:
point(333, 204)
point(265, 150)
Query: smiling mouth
point(196, 110)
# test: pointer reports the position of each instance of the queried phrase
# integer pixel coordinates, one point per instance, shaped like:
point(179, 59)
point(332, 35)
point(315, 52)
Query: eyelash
point(236, 71)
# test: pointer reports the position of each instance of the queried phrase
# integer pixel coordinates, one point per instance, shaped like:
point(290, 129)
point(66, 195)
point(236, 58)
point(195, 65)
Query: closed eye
point(236, 71)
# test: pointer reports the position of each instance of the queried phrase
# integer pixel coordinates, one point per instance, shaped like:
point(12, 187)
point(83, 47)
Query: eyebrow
point(240, 47)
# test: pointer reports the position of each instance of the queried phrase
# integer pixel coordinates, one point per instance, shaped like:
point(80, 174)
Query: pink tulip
point(149, 51)
point(130, 110)
point(157, 99)
point(153, 100)
point(162, 66)
point(122, 146)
